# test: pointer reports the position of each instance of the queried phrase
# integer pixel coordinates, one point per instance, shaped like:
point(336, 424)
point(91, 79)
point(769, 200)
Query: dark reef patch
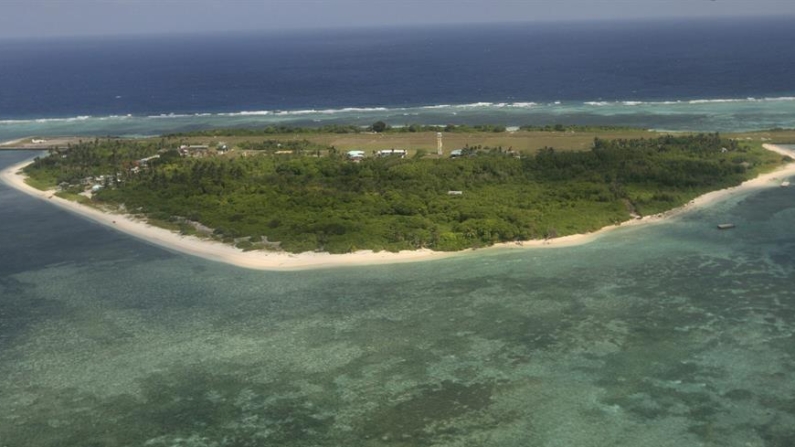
point(414, 421)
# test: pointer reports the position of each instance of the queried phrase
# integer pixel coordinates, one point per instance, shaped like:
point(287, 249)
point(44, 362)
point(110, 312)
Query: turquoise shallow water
point(724, 115)
point(670, 335)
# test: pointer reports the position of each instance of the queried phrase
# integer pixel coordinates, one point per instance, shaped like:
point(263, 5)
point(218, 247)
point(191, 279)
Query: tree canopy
point(303, 203)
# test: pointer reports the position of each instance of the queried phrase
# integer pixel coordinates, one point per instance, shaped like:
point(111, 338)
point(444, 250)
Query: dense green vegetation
point(90, 159)
point(328, 203)
point(378, 126)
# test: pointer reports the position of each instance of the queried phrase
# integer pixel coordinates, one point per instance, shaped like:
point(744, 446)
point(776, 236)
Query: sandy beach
point(280, 261)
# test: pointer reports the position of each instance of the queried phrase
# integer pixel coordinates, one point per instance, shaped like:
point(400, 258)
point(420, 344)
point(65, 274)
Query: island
point(280, 198)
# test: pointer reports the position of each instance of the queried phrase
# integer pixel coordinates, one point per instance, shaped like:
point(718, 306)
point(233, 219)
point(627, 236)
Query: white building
point(392, 153)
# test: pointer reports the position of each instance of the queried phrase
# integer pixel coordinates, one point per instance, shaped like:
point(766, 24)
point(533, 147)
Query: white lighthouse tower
point(439, 144)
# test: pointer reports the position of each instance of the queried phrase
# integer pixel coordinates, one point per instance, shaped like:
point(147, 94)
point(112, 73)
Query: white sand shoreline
point(280, 261)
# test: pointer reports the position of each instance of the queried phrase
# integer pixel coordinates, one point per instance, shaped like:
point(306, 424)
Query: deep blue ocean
point(686, 75)
point(667, 335)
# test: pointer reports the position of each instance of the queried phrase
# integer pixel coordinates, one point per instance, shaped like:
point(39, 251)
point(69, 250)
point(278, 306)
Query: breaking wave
point(570, 105)
point(745, 113)
point(689, 101)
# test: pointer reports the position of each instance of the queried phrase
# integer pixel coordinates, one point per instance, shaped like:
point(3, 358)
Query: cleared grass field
point(523, 141)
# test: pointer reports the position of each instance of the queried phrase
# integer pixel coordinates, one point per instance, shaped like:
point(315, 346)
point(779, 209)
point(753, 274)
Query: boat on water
point(725, 226)
point(785, 183)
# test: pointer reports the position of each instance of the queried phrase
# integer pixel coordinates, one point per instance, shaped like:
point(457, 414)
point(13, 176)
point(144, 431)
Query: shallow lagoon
point(670, 335)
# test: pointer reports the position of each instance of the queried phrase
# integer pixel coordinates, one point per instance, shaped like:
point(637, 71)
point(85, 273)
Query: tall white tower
point(439, 144)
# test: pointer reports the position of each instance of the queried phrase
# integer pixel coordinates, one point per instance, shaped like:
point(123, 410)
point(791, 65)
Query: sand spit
point(280, 261)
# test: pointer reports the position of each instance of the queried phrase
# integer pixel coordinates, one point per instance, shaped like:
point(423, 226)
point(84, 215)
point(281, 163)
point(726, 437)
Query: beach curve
point(283, 261)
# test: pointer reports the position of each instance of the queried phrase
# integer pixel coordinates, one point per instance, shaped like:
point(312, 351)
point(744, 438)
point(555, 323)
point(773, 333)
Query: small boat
point(785, 183)
point(725, 226)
